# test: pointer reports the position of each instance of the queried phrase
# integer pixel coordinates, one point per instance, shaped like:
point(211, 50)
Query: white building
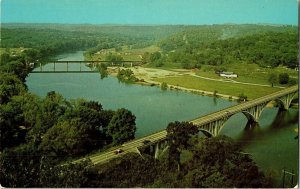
point(228, 75)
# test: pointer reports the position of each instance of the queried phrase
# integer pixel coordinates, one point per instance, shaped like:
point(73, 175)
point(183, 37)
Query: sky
point(196, 12)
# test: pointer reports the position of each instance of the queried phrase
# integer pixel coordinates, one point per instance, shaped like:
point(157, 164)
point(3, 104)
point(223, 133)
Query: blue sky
point(150, 11)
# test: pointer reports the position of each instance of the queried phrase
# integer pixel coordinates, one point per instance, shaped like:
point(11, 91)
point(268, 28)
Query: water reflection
point(253, 131)
point(215, 101)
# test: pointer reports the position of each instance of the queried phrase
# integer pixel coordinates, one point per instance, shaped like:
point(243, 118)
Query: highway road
point(133, 145)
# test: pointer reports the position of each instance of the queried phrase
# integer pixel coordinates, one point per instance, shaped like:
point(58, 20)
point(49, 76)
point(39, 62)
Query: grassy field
point(126, 53)
point(233, 89)
point(250, 73)
point(12, 51)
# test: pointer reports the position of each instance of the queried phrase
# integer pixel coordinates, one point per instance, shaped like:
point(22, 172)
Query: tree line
point(38, 134)
point(268, 49)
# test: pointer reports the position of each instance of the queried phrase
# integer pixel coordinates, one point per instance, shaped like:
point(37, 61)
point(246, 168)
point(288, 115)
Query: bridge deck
point(83, 71)
point(131, 146)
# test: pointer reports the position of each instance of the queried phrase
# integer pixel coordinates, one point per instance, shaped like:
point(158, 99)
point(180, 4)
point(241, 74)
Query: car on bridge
point(118, 151)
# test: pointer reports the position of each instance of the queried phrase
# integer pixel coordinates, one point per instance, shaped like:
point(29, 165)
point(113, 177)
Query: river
point(271, 144)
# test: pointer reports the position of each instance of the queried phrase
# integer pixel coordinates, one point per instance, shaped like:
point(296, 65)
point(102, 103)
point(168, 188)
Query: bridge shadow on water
point(253, 131)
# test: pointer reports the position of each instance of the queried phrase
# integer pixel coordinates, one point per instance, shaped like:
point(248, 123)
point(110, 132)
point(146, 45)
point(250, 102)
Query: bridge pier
point(155, 149)
point(213, 128)
point(251, 125)
point(54, 66)
point(160, 148)
point(253, 113)
point(285, 101)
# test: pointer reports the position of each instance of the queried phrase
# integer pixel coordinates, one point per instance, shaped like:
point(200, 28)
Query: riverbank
point(187, 80)
point(147, 76)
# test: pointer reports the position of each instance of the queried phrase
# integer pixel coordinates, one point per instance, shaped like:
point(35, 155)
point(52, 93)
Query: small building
point(228, 75)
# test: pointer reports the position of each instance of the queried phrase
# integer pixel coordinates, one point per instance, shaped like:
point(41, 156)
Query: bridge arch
point(206, 133)
point(248, 116)
point(284, 102)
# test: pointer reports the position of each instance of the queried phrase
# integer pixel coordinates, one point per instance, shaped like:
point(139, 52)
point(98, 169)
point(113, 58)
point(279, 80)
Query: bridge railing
point(245, 105)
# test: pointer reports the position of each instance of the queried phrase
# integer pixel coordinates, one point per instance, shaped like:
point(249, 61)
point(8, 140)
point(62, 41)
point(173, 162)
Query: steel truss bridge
point(82, 66)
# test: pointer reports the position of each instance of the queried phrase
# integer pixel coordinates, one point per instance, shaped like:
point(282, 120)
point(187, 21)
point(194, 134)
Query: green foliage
point(10, 86)
point(122, 126)
point(217, 162)
point(164, 86)
point(77, 132)
point(117, 59)
point(16, 118)
point(293, 81)
point(130, 170)
point(272, 79)
point(215, 94)
point(23, 167)
point(283, 78)
point(103, 70)
point(178, 136)
point(242, 97)
point(126, 75)
point(146, 58)
point(207, 45)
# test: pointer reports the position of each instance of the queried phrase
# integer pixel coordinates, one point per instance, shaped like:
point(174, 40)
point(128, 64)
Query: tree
point(102, 70)
point(10, 86)
point(122, 126)
point(242, 97)
point(164, 86)
point(223, 157)
point(24, 167)
point(11, 134)
point(178, 136)
point(272, 79)
point(146, 57)
point(4, 58)
point(78, 131)
point(114, 58)
point(155, 56)
point(16, 118)
point(283, 78)
point(69, 138)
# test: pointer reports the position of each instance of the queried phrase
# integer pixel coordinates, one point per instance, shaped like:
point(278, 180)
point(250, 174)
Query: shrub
point(283, 78)
point(242, 97)
point(164, 86)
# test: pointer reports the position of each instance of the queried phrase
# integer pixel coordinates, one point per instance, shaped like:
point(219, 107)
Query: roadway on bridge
point(133, 145)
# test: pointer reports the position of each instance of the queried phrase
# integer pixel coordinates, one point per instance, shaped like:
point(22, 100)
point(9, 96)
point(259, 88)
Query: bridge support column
point(54, 66)
point(41, 67)
point(254, 112)
point(286, 100)
point(160, 148)
point(67, 66)
point(213, 128)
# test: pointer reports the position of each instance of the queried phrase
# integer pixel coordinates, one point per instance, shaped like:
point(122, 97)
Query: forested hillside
point(268, 46)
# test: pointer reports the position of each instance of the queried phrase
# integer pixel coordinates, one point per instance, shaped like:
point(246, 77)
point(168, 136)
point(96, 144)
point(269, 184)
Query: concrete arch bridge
point(212, 124)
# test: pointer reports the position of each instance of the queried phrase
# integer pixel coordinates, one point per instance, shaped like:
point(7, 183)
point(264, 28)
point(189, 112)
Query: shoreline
point(144, 81)
point(148, 82)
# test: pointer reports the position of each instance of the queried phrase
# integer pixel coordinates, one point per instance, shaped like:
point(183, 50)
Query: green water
point(271, 143)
